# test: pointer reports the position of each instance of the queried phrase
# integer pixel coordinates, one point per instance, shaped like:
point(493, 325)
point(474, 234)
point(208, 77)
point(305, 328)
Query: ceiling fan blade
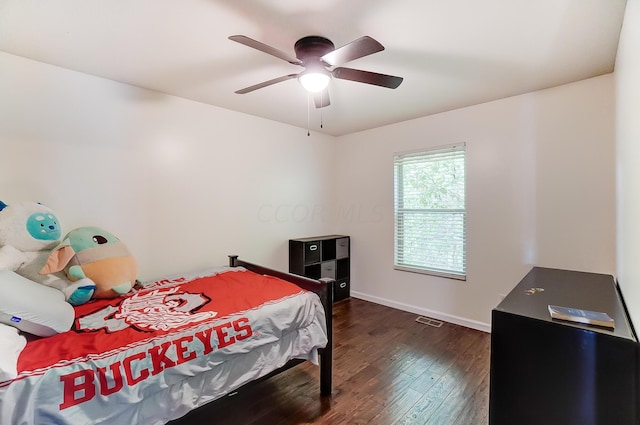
point(367, 77)
point(361, 47)
point(265, 48)
point(266, 83)
point(322, 99)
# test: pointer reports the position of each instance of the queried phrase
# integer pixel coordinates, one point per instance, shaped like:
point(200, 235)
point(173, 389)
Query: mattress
point(167, 347)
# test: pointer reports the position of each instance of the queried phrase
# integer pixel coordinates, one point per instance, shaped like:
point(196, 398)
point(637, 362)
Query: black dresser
point(550, 372)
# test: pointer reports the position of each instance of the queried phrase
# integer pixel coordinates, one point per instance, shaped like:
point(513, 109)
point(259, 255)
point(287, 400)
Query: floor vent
point(428, 321)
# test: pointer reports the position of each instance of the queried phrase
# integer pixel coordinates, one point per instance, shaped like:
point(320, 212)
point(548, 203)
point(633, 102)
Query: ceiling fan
point(320, 59)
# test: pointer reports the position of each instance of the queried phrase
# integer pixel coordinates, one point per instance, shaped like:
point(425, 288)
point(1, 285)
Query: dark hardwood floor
point(388, 370)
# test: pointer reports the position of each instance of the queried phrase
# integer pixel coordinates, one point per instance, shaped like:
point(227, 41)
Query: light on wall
point(314, 81)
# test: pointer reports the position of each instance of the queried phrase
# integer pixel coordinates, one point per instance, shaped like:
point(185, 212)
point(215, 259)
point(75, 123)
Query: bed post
point(326, 355)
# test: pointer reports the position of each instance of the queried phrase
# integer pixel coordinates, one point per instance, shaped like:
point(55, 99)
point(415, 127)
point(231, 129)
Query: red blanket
point(105, 325)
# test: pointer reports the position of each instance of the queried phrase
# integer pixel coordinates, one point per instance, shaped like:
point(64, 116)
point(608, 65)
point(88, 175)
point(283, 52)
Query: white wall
point(183, 184)
point(540, 191)
point(627, 74)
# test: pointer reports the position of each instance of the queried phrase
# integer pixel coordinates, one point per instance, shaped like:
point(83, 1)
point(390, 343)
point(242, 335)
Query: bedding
point(11, 344)
point(169, 346)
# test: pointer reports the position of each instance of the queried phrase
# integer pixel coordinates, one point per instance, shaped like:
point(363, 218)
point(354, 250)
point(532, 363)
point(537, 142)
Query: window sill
point(431, 272)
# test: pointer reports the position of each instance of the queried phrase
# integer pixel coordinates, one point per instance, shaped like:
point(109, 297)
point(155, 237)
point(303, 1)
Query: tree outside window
point(430, 214)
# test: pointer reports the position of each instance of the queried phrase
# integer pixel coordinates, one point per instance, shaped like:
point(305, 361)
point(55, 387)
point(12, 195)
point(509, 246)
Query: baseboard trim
point(473, 324)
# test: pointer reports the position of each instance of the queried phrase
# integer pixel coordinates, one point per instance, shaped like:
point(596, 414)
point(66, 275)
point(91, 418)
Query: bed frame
point(324, 289)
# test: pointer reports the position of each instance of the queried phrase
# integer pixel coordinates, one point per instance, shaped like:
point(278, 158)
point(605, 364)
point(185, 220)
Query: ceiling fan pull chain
point(321, 103)
point(308, 113)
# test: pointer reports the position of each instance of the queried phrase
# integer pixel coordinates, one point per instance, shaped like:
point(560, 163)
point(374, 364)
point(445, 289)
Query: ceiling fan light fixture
point(314, 81)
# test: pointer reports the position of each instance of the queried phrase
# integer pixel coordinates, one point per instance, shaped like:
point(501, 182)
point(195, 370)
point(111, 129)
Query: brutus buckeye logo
point(160, 309)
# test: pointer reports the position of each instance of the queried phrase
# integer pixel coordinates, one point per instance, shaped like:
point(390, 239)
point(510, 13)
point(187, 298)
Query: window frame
point(398, 158)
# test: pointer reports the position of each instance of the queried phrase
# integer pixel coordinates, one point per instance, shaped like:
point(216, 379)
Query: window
point(429, 211)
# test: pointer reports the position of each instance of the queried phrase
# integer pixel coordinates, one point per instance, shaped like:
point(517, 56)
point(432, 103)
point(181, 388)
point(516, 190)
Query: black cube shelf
point(323, 256)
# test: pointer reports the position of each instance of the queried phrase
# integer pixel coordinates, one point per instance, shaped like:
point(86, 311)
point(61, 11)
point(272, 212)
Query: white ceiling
point(451, 53)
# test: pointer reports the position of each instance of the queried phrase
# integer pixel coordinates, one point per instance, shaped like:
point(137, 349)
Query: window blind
point(429, 211)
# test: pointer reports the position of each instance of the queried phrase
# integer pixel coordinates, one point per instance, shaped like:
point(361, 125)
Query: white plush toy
point(28, 232)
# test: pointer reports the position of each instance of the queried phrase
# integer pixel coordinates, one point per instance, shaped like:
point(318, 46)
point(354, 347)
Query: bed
point(172, 345)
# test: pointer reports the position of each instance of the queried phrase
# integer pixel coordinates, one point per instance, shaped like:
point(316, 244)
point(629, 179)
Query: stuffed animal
point(94, 253)
point(28, 231)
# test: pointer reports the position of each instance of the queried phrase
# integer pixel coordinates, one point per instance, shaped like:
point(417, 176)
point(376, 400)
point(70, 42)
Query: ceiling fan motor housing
point(311, 48)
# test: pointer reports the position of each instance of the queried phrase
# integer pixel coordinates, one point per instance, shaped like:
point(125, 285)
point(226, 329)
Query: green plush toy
point(94, 253)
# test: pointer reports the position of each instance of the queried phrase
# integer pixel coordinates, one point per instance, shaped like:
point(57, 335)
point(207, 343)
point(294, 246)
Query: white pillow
point(32, 307)
point(12, 344)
